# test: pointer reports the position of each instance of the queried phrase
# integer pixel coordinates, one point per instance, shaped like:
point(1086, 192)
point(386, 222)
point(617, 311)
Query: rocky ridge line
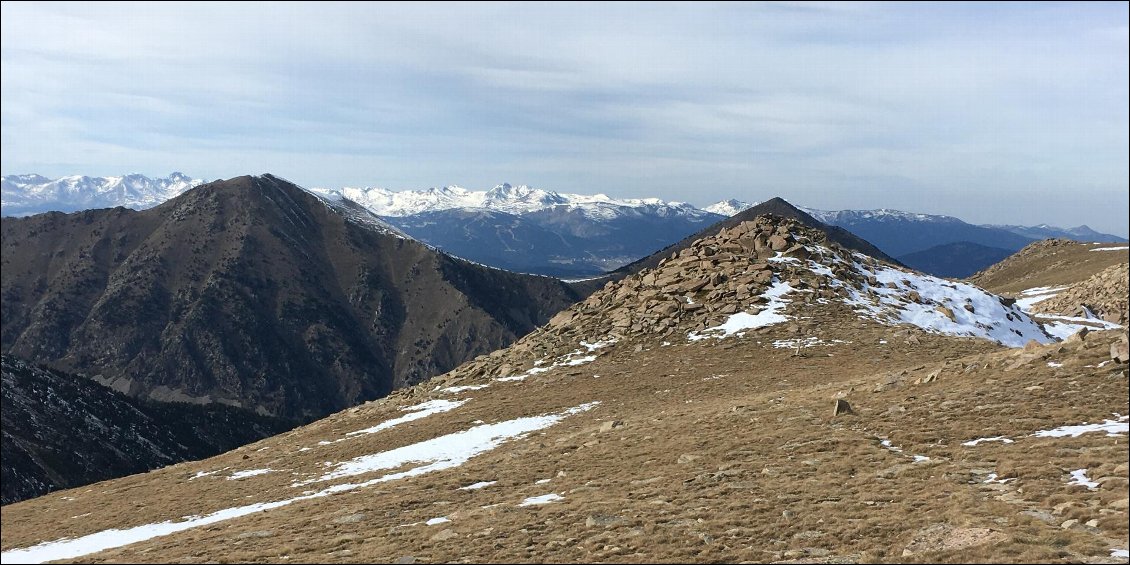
point(700, 287)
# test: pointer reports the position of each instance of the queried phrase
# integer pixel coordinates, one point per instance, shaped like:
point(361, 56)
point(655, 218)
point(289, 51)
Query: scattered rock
point(350, 519)
point(445, 535)
point(256, 534)
point(841, 408)
point(1120, 350)
point(602, 520)
point(943, 537)
point(945, 311)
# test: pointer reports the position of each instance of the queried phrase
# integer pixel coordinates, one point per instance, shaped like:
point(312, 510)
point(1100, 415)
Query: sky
point(994, 113)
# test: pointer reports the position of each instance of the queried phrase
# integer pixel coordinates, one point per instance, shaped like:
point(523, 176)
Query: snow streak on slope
point(443, 452)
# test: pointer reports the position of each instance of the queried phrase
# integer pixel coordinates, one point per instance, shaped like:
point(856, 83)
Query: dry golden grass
point(1056, 263)
point(726, 451)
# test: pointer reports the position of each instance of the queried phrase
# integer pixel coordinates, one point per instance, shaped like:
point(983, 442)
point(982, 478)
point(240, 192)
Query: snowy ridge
point(518, 200)
point(32, 194)
point(841, 217)
point(729, 207)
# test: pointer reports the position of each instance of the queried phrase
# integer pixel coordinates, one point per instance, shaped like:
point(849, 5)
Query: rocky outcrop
point(755, 268)
point(1103, 295)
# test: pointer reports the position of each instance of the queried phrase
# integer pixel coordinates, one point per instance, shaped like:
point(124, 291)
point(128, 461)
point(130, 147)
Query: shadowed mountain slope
point(957, 260)
point(254, 293)
point(64, 431)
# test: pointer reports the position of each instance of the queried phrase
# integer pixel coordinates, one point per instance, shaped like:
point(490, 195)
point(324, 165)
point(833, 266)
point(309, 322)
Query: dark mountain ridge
point(254, 293)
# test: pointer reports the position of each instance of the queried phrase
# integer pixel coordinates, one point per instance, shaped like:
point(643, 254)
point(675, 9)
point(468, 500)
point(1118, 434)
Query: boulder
point(841, 408)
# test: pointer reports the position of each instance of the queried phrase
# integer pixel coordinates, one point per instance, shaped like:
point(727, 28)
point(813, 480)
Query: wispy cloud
point(975, 110)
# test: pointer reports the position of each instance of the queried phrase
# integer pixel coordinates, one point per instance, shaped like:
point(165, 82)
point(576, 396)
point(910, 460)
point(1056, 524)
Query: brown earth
point(712, 450)
point(1049, 263)
point(721, 451)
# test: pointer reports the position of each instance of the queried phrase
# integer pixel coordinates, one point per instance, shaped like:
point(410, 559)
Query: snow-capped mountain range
point(22, 195)
point(528, 229)
point(518, 200)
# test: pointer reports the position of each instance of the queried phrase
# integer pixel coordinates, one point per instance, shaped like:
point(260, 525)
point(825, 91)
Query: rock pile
point(1103, 294)
point(742, 269)
point(693, 289)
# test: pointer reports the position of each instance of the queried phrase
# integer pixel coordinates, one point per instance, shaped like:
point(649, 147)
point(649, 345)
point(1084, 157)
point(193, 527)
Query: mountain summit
point(255, 293)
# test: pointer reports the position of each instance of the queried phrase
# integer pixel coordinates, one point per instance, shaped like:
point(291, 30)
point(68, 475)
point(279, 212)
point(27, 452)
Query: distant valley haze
point(993, 113)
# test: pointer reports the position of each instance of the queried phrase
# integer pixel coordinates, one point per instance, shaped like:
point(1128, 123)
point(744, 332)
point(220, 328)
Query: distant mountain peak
point(728, 207)
point(32, 194)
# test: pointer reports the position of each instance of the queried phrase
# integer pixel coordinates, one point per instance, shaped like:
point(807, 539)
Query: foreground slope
point(64, 431)
point(682, 414)
point(255, 293)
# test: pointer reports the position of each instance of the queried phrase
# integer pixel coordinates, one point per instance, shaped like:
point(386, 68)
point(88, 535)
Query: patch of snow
point(989, 319)
point(464, 388)
point(1124, 248)
point(1079, 477)
point(887, 444)
point(579, 361)
point(249, 473)
point(1033, 296)
point(974, 442)
point(804, 342)
point(1054, 365)
point(738, 323)
point(992, 478)
point(417, 412)
point(1111, 427)
point(543, 499)
point(70, 548)
point(542, 481)
point(478, 485)
point(434, 521)
point(1063, 327)
point(207, 473)
point(920, 458)
point(448, 451)
point(572, 359)
point(1115, 552)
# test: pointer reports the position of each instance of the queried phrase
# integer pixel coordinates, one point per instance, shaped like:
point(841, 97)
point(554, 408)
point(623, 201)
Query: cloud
point(832, 105)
